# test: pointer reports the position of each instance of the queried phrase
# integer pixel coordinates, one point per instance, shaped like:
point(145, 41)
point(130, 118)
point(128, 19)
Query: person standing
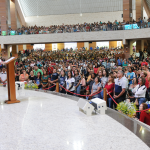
point(119, 61)
point(120, 88)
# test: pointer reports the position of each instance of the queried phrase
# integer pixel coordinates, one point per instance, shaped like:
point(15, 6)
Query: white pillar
point(24, 47)
point(86, 45)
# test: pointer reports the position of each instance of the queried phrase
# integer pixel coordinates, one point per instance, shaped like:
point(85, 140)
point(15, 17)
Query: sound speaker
point(85, 106)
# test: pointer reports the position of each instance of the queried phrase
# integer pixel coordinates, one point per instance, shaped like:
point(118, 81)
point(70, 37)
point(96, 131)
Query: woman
point(96, 87)
point(96, 68)
point(110, 89)
point(83, 84)
point(104, 79)
point(145, 115)
point(77, 82)
point(100, 75)
point(37, 80)
point(108, 65)
point(141, 91)
point(44, 80)
point(24, 76)
point(69, 83)
point(31, 77)
point(62, 82)
point(132, 89)
point(144, 75)
point(115, 74)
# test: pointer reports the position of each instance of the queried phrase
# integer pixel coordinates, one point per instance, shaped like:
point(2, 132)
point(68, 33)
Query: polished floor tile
point(44, 121)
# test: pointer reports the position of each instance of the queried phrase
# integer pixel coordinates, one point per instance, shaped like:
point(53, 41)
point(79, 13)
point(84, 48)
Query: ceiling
point(59, 7)
point(148, 2)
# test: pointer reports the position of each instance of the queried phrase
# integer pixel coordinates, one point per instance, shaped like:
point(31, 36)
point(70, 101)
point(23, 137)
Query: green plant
point(127, 108)
point(31, 86)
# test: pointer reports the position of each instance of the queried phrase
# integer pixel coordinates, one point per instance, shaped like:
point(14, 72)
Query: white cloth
point(3, 76)
point(141, 91)
point(69, 83)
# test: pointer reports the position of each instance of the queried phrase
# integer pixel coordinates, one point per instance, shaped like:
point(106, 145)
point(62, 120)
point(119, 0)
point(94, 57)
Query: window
point(102, 44)
point(39, 46)
point(71, 45)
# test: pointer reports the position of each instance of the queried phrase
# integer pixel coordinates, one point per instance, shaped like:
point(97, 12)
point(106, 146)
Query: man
point(119, 61)
point(50, 70)
point(130, 75)
point(53, 79)
point(3, 76)
point(144, 63)
point(36, 70)
point(120, 88)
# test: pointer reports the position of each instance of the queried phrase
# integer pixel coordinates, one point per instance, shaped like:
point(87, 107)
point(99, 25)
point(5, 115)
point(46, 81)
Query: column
point(60, 46)
point(14, 50)
point(80, 45)
point(92, 44)
point(138, 45)
point(126, 48)
point(5, 52)
point(24, 47)
point(139, 9)
point(131, 46)
point(13, 15)
point(112, 44)
point(48, 47)
point(4, 15)
point(127, 9)
point(86, 45)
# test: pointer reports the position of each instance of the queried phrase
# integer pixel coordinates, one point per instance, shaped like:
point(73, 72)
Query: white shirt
point(3, 76)
point(141, 91)
point(69, 83)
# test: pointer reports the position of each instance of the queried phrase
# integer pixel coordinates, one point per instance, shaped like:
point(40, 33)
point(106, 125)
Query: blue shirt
point(130, 75)
point(119, 62)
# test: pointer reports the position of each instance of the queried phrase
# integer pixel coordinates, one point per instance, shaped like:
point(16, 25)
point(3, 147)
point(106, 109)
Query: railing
point(82, 29)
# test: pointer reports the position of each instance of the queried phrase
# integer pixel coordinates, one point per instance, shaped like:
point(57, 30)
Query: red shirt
point(145, 117)
point(146, 83)
point(50, 70)
point(110, 88)
point(53, 64)
point(95, 70)
point(144, 63)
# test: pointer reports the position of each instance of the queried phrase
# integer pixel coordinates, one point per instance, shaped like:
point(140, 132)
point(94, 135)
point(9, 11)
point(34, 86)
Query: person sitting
point(144, 115)
point(24, 76)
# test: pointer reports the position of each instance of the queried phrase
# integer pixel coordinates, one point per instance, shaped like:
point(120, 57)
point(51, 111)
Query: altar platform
point(44, 121)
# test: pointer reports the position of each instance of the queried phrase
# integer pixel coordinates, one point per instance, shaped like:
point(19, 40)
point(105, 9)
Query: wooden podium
point(11, 81)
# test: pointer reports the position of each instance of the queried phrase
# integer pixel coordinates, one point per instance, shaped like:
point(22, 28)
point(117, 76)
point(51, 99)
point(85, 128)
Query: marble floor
point(44, 121)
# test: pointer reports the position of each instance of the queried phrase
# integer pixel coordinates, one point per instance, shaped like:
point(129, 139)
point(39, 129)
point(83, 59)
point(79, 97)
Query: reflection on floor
point(47, 122)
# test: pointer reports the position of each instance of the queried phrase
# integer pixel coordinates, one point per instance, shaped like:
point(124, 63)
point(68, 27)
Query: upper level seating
point(85, 27)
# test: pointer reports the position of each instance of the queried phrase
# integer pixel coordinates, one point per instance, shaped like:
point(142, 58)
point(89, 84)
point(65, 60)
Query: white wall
point(73, 18)
point(120, 35)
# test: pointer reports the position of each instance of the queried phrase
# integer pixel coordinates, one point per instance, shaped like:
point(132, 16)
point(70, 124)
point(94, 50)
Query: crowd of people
point(85, 27)
point(86, 73)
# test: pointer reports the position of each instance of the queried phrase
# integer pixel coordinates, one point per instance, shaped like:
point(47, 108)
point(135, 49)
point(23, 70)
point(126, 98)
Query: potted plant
point(127, 108)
